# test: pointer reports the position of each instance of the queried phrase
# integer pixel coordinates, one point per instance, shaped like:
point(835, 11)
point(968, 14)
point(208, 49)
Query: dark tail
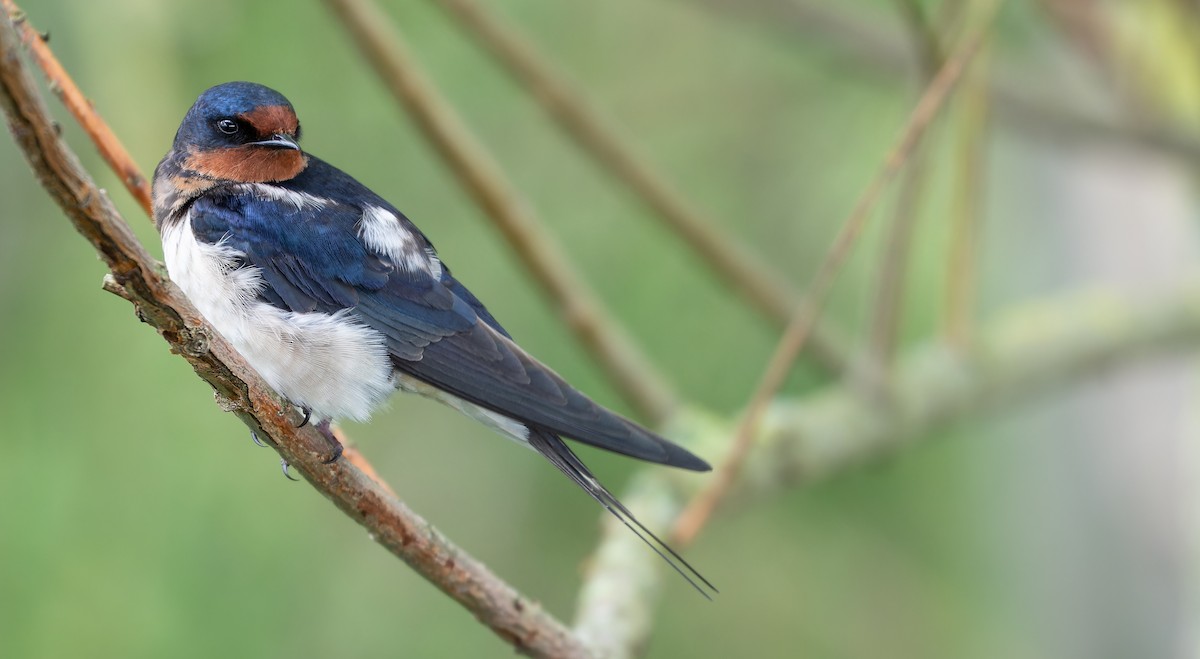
point(561, 456)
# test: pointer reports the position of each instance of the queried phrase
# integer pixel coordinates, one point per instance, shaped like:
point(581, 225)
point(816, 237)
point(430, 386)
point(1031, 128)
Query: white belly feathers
point(332, 364)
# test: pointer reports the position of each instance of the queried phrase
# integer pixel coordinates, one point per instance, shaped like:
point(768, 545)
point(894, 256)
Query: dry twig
point(508, 613)
point(701, 508)
point(626, 365)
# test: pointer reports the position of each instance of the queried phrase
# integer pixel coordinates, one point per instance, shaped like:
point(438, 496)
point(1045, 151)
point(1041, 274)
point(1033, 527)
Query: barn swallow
point(337, 299)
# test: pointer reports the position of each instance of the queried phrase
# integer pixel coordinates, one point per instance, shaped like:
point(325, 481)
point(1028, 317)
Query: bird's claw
point(337, 453)
point(307, 416)
point(284, 464)
point(256, 440)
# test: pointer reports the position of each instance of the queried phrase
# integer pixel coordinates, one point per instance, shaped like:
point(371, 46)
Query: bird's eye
point(227, 126)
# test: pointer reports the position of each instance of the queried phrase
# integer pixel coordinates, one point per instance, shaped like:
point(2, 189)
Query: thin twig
point(890, 283)
point(643, 387)
point(1031, 351)
point(64, 87)
point(746, 272)
point(893, 272)
point(966, 207)
point(508, 613)
point(700, 509)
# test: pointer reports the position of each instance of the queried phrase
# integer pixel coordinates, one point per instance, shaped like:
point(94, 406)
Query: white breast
point(332, 364)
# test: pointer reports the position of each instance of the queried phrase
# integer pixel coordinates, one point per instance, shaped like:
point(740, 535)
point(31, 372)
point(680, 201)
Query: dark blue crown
point(225, 100)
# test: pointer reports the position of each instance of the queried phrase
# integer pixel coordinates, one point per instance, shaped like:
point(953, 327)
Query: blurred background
point(138, 520)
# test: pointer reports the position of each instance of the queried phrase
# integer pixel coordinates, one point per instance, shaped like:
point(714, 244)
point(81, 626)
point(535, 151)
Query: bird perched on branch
point(337, 299)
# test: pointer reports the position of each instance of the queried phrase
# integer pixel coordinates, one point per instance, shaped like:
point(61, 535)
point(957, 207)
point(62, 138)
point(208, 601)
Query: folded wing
point(436, 330)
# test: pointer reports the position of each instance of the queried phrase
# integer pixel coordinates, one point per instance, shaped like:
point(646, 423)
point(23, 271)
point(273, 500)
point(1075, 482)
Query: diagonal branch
point(966, 208)
point(642, 386)
point(1032, 350)
point(932, 100)
point(508, 613)
point(743, 271)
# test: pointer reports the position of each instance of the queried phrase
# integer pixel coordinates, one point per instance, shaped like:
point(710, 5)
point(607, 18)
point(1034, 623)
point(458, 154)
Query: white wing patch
point(331, 364)
point(382, 231)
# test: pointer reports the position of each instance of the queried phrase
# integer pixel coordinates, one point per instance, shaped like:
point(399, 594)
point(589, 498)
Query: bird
point(338, 300)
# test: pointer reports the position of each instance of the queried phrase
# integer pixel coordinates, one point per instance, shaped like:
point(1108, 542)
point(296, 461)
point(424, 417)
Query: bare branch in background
point(891, 281)
point(967, 206)
point(745, 272)
point(890, 284)
point(1031, 351)
point(643, 387)
point(509, 614)
point(1028, 105)
point(701, 508)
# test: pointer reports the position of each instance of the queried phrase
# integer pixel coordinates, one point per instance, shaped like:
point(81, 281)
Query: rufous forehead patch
point(272, 119)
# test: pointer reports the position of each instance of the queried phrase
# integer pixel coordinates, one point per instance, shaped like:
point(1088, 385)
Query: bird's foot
point(323, 427)
point(336, 447)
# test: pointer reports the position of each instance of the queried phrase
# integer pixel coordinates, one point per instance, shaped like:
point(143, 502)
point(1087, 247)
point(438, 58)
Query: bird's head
point(242, 132)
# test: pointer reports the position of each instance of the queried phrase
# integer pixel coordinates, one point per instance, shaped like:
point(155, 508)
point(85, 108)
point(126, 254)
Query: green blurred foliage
point(137, 520)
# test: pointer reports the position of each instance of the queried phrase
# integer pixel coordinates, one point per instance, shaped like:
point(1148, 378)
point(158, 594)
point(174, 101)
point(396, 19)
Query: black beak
point(279, 141)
